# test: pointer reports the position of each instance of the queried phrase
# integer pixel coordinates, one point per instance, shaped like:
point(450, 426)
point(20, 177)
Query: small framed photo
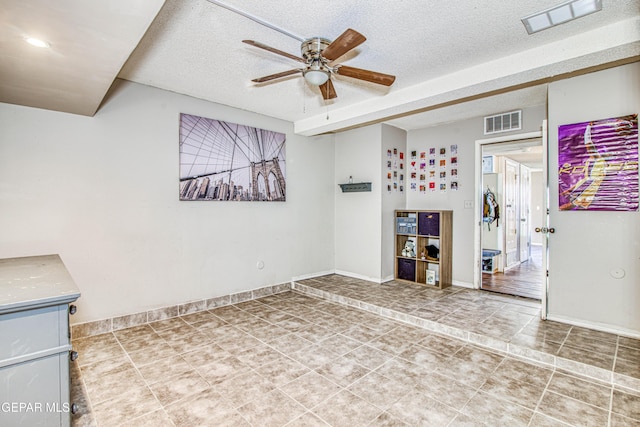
point(431, 277)
point(487, 164)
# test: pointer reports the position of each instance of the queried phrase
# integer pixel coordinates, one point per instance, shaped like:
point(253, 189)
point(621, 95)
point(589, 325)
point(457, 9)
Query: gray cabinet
point(35, 347)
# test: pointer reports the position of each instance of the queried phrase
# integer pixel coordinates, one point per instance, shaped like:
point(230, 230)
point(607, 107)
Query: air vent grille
point(503, 122)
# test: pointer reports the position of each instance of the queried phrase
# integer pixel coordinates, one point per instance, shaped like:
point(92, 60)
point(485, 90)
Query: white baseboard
point(312, 275)
point(462, 284)
point(359, 276)
point(387, 279)
point(612, 329)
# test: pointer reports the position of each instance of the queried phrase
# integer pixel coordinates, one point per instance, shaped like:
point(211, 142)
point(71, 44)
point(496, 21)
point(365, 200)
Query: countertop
point(32, 282)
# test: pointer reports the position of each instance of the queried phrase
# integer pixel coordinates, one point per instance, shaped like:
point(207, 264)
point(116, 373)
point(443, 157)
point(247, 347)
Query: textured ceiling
point(441, 52)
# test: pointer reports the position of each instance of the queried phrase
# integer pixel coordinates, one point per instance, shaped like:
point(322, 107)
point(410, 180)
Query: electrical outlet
point(468, 204)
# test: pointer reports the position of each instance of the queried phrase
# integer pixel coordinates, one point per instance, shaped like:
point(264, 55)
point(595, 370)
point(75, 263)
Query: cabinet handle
point(74, 408)
point(72, 309)
point(73, 355)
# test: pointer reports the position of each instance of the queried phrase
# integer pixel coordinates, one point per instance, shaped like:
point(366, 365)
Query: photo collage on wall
point(435, 170)
point(395, 170)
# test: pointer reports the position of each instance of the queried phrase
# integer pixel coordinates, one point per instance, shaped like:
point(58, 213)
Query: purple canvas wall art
point(598, 165)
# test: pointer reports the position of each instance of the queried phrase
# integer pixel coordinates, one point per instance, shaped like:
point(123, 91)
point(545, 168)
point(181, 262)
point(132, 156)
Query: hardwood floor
point(524, 280)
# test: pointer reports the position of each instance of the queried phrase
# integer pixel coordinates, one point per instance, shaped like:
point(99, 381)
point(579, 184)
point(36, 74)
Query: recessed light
point(559, 14)
point(37, 42)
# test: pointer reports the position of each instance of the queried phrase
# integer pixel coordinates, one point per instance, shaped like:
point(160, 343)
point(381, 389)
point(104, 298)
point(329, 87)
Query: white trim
point(544, 298)
point(387, 279)
point(506, 138)
point(612, 329)
point(477, 252)
point(359, 276)
point(468, 285)
point(313, 275)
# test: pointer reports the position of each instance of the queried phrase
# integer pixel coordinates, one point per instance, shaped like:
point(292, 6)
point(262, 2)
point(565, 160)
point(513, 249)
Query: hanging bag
point(491, 209)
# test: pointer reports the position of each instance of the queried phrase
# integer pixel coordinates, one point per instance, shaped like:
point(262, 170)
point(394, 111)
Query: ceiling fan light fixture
point(316, 77)
point(317, 55)
point(317, 74)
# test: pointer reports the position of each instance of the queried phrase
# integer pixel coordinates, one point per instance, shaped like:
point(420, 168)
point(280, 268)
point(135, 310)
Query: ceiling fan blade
point(343, 44)
point(370, 76)
point(274, 50)
point(275, 76)
point(328, 91)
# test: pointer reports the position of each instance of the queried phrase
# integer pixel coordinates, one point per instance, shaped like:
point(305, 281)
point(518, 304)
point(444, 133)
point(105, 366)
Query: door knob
point(545, 230)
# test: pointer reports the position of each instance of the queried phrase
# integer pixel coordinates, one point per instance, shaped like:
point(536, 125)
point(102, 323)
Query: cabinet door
point(34, 367)
point(36, 393)
point(33, 330)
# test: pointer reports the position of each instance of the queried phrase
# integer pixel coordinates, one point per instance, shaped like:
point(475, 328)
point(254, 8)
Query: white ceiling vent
point(503, 122)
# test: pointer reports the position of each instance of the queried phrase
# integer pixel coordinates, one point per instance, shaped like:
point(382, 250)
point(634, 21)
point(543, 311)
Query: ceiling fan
point(318, 53)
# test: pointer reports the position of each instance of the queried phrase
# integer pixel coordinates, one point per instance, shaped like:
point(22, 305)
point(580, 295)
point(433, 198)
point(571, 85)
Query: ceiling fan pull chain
point(304, 104)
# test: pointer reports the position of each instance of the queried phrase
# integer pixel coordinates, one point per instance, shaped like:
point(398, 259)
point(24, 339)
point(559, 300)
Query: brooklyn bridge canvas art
point(222, 161)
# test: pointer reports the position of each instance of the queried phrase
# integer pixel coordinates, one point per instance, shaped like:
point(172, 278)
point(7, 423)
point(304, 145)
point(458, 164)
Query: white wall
point(392, 138)
point(358, 233)
point(103, 193)
point(443, 136)
point(464, 134)
point(364, 221)
point(588, 245)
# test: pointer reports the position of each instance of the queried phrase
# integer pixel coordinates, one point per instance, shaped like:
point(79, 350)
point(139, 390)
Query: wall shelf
point(355, 187)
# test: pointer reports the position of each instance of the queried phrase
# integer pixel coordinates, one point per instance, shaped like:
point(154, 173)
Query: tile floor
point(503, 323)
point(297, 360)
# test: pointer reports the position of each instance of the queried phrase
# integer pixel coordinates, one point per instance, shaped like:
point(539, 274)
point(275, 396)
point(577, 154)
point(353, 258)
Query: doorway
point(511, 253)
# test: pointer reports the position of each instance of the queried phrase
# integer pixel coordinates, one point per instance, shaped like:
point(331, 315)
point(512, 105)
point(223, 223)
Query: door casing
point(477, 276)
